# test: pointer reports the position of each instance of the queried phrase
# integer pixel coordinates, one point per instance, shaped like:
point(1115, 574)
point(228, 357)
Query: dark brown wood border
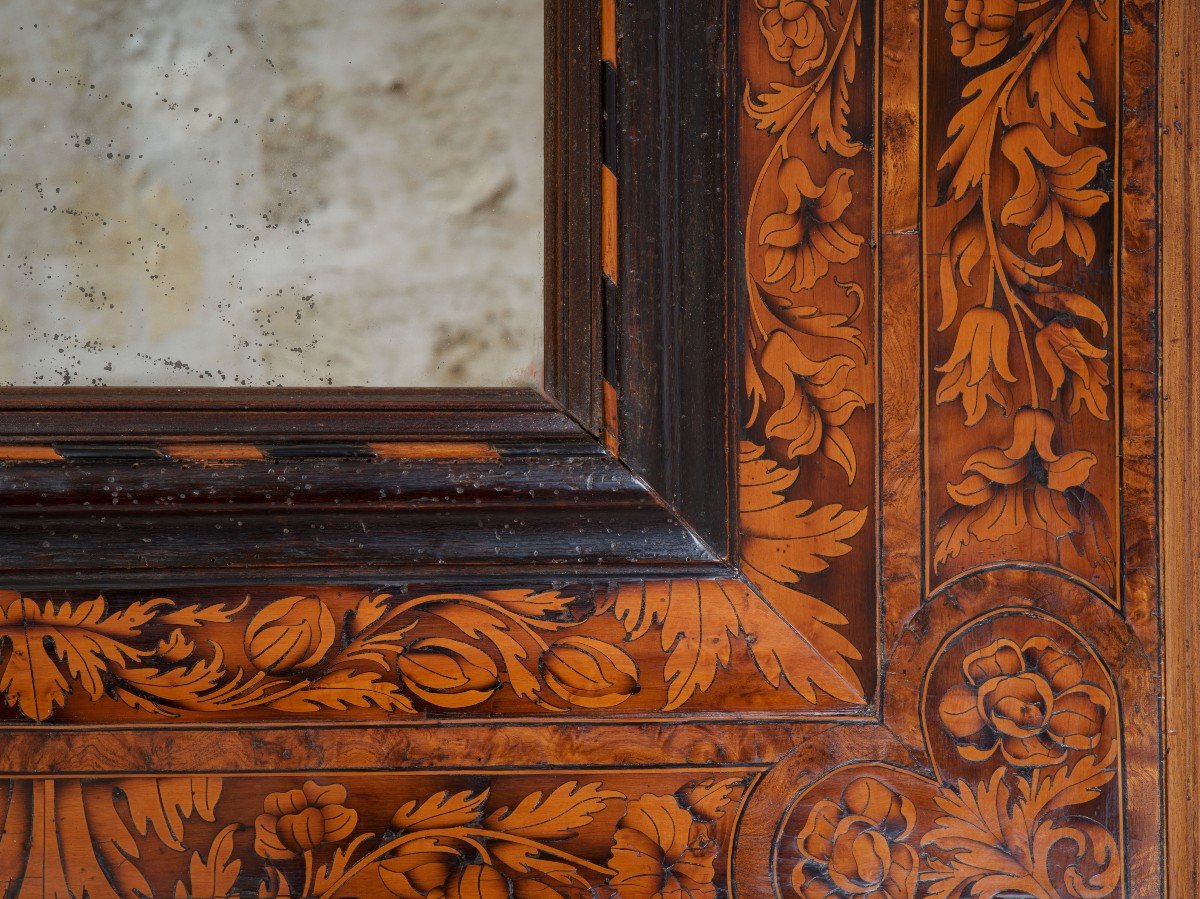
point(677, 316)
point(663, 505)
point(574, 312)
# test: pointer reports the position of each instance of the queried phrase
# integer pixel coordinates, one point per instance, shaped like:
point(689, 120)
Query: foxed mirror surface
point(271, 193)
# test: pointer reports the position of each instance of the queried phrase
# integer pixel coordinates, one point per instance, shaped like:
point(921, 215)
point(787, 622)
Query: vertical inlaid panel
point(809, 493)
point(1021, 156)
point(1017, 747)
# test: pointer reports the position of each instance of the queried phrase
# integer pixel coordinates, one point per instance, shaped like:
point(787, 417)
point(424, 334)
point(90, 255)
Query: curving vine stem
point(814, 356)
point(996, 259)
point(1004, 167)
point(760, 311)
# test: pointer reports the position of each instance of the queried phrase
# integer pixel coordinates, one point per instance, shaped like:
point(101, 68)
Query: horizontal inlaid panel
point(323, 655)
point(328, 833)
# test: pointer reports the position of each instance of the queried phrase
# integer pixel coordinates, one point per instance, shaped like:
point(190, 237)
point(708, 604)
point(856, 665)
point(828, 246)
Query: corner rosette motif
point(1030, 702)
point(1025, 694)
point(298, 821)
point(795, 33)
point(856, 845)
point(809, 235)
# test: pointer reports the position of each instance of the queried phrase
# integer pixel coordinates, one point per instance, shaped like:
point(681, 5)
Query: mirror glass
point(291, 193)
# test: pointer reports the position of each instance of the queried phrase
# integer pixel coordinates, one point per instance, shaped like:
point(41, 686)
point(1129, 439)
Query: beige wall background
point(270, 192)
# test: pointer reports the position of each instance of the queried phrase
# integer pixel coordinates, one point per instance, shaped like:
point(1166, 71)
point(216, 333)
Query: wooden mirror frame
point(655, 628)
point(543, 470)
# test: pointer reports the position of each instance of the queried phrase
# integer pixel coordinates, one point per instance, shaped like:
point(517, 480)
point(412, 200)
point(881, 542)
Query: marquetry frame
point(736, 759)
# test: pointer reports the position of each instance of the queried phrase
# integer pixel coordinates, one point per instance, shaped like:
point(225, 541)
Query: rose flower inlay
point(1029, 701)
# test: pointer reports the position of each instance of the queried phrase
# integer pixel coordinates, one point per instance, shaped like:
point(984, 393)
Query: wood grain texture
point(297, 655)
point(1002, 803)
point(1023, 144)
point(120, 415)
point(675, 318)
point(949, 796)
point(1181, 430)
point(573, 326)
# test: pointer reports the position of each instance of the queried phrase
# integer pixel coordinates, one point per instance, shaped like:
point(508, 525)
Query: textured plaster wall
point(262, 192)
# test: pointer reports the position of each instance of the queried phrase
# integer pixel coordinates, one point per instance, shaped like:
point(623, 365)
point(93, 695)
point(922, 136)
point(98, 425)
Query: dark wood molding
point(124, 415)
point(676, 318)
point(550, 502)
point(534, 508)
point(574, 322)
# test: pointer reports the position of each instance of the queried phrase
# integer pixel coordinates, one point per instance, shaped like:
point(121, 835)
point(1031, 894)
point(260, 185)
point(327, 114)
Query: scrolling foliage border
point(335, 654)
point(530, 835)
point(808, 137)
point(1022, 323)
point(1029, 765)
point(789, 636)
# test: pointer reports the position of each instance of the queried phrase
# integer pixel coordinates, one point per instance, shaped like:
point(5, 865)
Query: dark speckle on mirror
point(270, 192)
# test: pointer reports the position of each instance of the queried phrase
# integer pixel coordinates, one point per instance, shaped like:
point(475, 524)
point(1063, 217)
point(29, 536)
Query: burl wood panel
point(937, 673)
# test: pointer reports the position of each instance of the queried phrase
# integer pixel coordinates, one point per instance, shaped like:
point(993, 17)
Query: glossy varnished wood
point(328, 508)
point(674, 250)
point(820, 571)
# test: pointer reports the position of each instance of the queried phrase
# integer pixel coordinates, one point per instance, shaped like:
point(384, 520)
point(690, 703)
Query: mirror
point(271, 193)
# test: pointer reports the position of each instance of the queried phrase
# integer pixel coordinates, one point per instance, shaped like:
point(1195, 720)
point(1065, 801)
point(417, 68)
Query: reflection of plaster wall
point(299, 192)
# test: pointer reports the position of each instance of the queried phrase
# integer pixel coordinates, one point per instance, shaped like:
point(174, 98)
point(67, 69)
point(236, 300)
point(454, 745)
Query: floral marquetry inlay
point(333, 653)
point(809, 371)
point(325, 835)
point(1022, 739)
point(1029, 701)
point(986, 252)
point(915, 652)
point(1021, 278)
